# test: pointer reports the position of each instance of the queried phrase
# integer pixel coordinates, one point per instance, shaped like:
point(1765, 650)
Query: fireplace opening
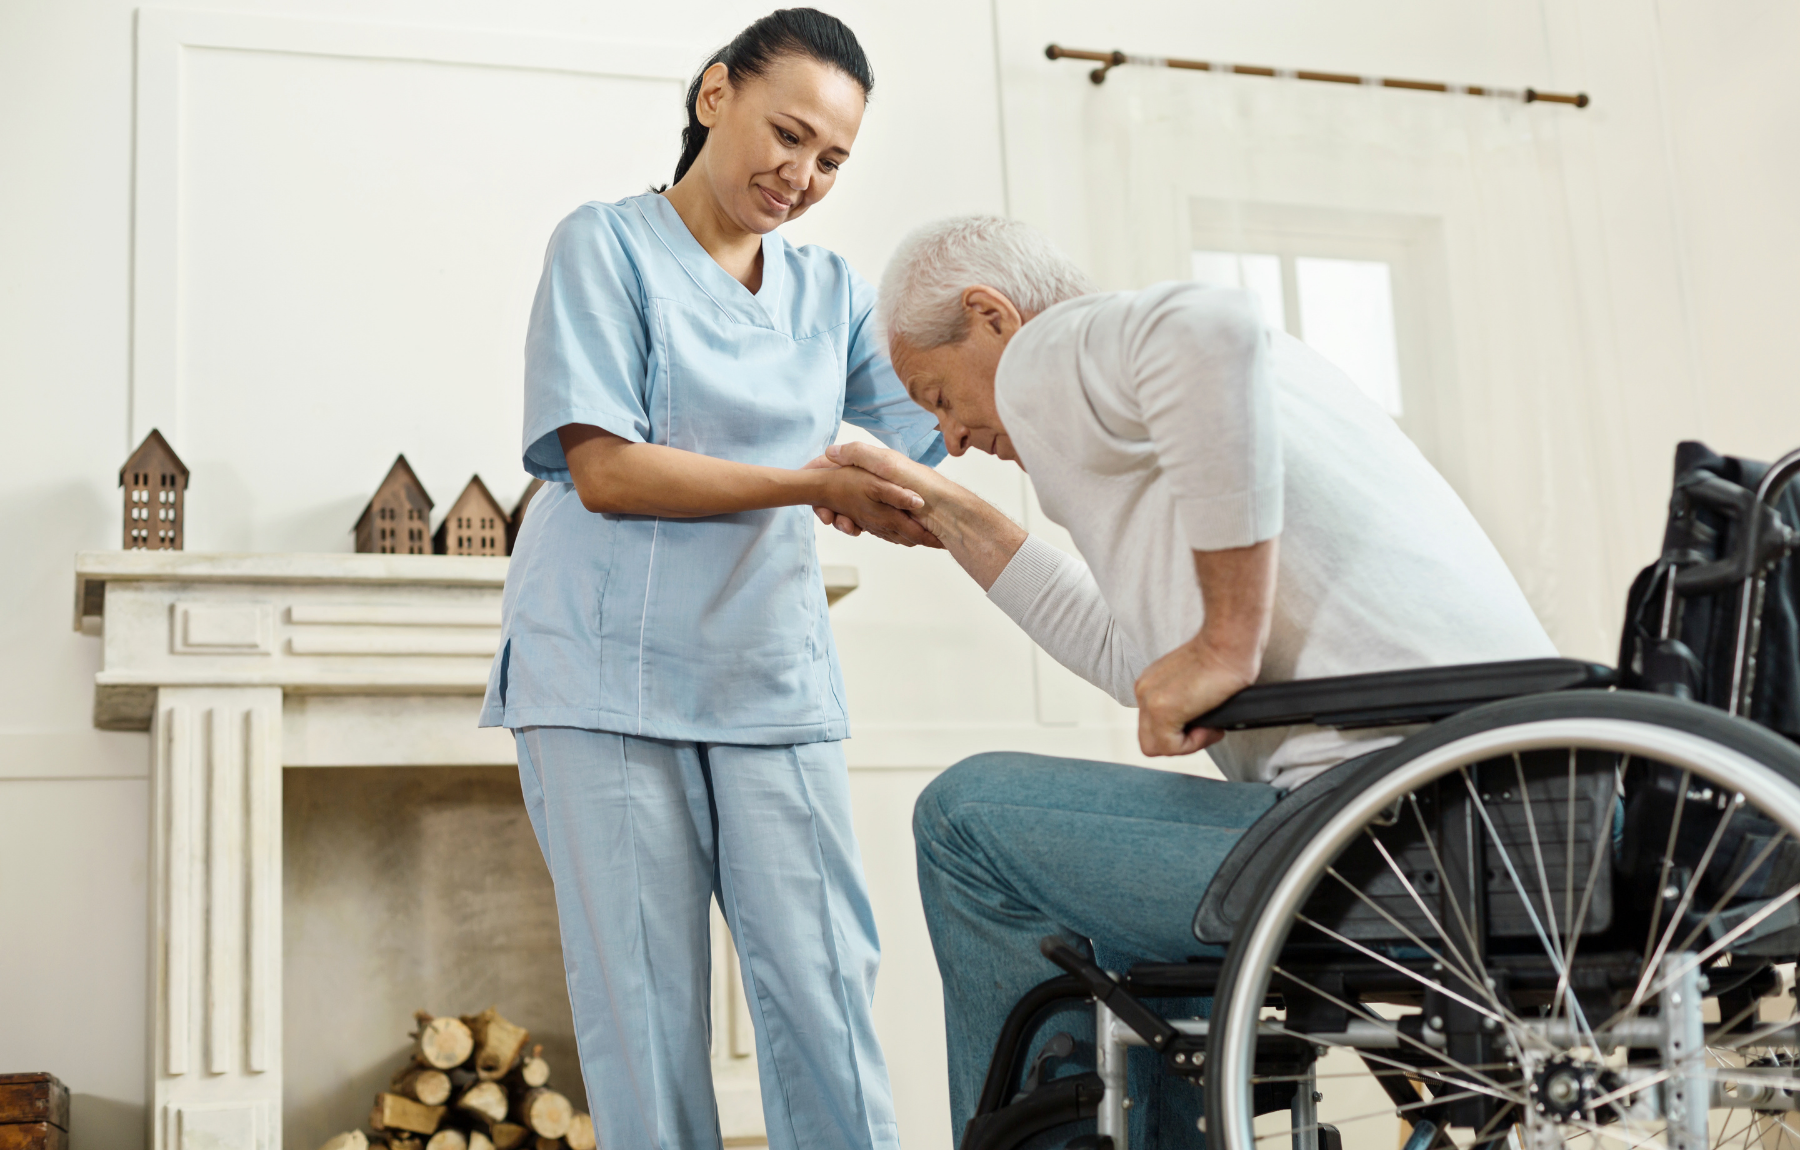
point(407, 888)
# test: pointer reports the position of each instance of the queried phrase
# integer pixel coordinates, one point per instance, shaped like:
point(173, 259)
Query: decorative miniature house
point(517, 519)
point(397, 520)
point(476, 524)
point(155, 484)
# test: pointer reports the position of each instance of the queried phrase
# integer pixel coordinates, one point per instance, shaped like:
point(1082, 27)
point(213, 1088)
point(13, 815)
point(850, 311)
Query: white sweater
point(1159, 422)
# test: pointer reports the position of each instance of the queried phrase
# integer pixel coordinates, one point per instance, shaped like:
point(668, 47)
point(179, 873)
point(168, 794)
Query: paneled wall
point(301, 237)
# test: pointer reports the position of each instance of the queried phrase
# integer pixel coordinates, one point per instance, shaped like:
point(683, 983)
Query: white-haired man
point(1246, 515)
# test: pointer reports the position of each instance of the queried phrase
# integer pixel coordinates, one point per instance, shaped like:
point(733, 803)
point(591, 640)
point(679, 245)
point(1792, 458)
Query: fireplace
point(245, 666)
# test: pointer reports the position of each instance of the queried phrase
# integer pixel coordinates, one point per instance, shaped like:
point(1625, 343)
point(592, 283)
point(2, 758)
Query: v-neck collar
point(732, 297)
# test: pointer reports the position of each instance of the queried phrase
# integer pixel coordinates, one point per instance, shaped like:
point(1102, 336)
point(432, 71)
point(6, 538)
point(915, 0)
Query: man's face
point(956, 382)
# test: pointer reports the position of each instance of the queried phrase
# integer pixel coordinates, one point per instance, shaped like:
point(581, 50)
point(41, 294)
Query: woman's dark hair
point(786, 32)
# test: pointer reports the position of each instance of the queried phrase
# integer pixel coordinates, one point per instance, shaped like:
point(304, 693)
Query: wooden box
point(34, 1112)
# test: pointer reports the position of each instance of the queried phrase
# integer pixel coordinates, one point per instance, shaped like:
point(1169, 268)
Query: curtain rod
point(1110, 60)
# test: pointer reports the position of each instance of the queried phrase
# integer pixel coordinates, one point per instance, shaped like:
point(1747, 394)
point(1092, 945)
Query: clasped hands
point(878, 491)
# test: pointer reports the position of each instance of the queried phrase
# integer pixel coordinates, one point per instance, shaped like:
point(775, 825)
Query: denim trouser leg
point(639, 835)
point(1012, 847)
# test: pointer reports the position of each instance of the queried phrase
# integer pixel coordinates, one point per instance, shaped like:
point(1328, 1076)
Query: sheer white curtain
point(1468, 202)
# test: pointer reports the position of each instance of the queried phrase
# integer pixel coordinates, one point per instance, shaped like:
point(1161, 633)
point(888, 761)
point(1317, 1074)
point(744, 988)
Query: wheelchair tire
point(1513, 981)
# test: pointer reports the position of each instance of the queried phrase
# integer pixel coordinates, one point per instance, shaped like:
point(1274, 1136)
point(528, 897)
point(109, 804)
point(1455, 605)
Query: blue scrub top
point(713, 629)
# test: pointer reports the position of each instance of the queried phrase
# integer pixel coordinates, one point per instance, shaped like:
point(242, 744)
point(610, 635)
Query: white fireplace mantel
point(238, 666)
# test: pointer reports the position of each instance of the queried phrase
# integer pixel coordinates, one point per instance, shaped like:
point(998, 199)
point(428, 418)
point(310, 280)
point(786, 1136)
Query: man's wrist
point(1239, 656)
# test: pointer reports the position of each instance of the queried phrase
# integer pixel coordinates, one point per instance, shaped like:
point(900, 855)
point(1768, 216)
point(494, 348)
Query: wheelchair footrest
point(1056, 1103)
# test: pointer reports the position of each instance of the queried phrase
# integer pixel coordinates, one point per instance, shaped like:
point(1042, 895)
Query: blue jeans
point(1012, 847)
point(640, 835)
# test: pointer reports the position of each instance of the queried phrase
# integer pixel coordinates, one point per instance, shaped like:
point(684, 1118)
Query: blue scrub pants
point(640, 835)
point(1013, 847)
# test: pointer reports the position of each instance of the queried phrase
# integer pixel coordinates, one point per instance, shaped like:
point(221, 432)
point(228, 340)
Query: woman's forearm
point(614, 475)
point(618, 477)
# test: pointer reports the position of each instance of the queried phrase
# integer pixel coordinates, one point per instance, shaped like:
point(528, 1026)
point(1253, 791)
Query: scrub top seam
point(676, 256)
point(689, 272)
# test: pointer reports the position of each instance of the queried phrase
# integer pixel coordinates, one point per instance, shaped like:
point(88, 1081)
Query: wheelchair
point(1564, 912)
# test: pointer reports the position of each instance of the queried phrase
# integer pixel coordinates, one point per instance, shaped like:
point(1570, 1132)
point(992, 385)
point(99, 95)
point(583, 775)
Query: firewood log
point(532, 1071)
point(486, 1099)
point(448, 1138)
point(395, 1112)
point(543, 1143)
point(441, 1042)
point(423, 1084)
point(349, 1140)
point(508, 1136)
point(545, 1111)
point(581, 1132)
point(403, 1142)
point(497, 1042)
point(480, 1141)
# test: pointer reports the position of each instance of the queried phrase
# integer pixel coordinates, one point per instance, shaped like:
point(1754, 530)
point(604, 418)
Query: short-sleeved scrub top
point(710, 629)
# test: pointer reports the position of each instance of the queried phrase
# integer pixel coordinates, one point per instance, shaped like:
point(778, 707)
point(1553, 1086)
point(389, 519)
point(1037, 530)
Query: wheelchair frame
point(1672, 1026)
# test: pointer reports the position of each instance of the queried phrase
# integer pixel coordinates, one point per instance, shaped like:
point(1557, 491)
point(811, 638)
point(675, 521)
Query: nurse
point(666, 665)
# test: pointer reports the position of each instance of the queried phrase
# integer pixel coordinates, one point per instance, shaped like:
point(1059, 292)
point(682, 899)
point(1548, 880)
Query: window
point(1345, 309)
point(1370, 291)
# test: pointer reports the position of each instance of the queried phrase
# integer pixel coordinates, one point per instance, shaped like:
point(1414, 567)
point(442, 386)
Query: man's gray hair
point(921, 291)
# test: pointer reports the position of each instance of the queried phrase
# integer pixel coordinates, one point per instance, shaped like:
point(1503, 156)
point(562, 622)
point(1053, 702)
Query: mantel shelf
point(308, 624)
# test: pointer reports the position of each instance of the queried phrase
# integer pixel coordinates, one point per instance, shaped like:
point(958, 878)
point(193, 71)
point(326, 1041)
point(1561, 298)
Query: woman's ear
point(714, 84)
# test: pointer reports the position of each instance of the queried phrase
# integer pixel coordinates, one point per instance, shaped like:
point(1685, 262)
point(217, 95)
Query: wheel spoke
point(1399, 1034)
point(1569, 863)
point(1687, 895)
point(1405, 1067)
point(1537, 854)
point(1475, 964)
point(1428, 983)
point(1587, 893)
point(1725, 940)
point(1737, 884)
point(1467, 974)
point(1456, 1096)
point(1662, 881)
point(1575, 1011)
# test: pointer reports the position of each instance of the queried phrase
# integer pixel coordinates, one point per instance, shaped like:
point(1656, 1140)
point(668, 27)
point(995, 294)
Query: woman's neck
point(733, 248)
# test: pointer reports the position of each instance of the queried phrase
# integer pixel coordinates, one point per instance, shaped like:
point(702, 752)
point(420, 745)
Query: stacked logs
point(471, 1085)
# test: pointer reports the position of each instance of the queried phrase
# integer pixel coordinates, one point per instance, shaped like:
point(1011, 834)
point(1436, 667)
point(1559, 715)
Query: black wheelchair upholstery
point(1387, 698)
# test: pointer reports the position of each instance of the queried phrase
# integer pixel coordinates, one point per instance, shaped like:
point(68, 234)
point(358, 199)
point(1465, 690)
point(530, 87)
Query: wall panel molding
point(166, 38)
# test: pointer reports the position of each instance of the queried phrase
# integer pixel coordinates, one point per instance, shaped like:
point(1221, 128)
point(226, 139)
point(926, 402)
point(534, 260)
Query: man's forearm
point(974, 531)
point(1237, 588)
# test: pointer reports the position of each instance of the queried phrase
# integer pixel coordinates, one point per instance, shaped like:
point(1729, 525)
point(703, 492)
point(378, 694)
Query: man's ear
point(991, 309)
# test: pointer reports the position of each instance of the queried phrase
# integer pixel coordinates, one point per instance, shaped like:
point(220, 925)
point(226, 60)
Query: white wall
point(1619, 278)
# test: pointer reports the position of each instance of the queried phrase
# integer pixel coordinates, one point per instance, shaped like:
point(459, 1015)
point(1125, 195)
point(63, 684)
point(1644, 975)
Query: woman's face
point(775, 142)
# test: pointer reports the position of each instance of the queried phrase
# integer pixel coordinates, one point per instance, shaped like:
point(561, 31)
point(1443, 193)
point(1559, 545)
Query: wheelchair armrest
point(1393, 698)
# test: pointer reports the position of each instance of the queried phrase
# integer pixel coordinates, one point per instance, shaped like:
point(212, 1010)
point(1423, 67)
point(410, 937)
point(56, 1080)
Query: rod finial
point(1053, 52)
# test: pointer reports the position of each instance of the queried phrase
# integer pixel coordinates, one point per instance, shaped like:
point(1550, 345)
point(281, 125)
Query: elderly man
point(1246, 515)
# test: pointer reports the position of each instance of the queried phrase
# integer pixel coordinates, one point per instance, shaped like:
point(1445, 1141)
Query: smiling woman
point(666, 663)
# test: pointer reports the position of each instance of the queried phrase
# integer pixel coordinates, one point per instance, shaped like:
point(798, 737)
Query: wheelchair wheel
point(1560, 920)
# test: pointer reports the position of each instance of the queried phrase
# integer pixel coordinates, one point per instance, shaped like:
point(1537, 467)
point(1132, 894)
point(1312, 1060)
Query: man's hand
point(1237, 589)
point(1189, 681)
